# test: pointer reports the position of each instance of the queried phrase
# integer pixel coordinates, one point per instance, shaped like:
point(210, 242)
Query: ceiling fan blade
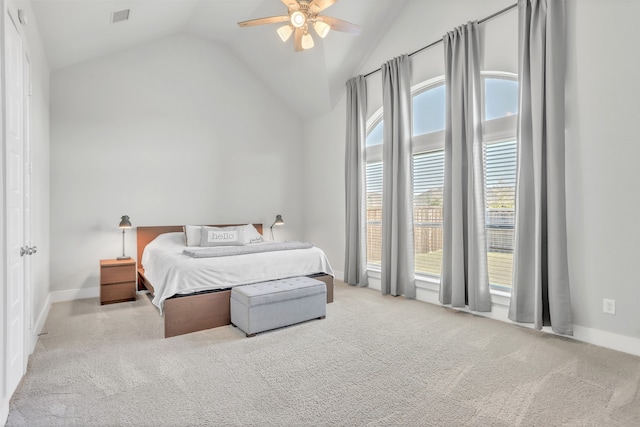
point(340, 25)
point(262, 21)
point(291, 4)
point(298, 39)
point(319, 5)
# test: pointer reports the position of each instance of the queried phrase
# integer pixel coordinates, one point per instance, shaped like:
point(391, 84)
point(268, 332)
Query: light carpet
point(374, 361)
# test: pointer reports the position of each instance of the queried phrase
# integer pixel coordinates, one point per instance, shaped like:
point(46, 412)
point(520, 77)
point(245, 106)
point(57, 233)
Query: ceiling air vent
point(120, 16)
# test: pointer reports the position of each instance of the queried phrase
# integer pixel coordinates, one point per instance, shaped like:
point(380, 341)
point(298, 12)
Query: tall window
point(499, 115)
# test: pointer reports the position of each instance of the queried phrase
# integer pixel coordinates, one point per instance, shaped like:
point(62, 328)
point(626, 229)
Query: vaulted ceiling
point(310, 82)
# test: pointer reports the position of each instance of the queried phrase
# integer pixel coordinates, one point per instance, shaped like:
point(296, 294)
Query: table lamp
point(124, 224)
point(278, 221)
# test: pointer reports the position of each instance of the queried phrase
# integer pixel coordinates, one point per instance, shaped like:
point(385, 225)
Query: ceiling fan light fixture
point(298, 19)
point(300, 16)
point(321, 28)
point(285, 32)
point(307, 41)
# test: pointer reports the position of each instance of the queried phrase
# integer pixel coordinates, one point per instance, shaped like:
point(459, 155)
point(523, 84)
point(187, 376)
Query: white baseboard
point(607, 339)
point(338, 275)
point(39, 325)
point(73, 294)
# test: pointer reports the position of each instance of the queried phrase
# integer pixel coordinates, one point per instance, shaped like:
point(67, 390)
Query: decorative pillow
point(251, 235)
point(192, 235)
point(225, 236)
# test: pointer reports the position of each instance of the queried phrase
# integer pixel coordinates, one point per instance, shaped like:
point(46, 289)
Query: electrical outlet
point(609, 306)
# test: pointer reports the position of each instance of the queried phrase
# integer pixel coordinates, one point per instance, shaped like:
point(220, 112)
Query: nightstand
point(117, 280)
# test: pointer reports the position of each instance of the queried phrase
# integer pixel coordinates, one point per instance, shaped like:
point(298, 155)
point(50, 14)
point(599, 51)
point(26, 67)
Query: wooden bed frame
point(184, 314)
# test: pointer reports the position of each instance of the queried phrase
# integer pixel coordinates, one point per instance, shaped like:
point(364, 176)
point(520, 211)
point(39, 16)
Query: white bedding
point(171, 272)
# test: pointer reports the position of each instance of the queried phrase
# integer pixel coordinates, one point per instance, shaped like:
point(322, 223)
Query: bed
point(198, 307)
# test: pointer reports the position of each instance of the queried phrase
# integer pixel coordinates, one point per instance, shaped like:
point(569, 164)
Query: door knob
point(28, 250)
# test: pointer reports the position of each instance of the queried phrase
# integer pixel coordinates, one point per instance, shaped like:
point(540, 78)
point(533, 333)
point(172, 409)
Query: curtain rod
point(506, 9)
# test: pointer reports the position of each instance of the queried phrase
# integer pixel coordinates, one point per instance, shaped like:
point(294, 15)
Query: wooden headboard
point(146, 234)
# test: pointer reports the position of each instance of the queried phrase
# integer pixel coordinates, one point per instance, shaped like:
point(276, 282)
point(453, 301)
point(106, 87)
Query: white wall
point(324, 196)
point(603, 170)
point(176, 131)
point(603, 201)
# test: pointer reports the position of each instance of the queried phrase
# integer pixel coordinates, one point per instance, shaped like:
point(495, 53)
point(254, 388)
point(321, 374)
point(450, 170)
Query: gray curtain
point(540, 293)
point(355, 263)
point(464, 279)
point(397, 269)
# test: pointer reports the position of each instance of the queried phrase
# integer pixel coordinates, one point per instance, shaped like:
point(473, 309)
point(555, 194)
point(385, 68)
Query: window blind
point(374, 212)
point(500, 194)
point(428, 183)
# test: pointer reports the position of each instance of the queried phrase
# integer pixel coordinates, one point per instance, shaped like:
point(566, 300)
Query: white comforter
point(171, 272)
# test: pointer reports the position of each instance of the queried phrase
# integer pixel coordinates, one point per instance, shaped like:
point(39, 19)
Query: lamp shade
point(321, 28)
point(285, 32)
point(307, 41)
point(125, 222)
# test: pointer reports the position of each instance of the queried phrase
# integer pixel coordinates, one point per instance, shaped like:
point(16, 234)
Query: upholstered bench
point(269, 305)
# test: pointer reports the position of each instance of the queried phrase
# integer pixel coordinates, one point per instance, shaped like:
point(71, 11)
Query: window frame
point(497, 130)
point(493, 130)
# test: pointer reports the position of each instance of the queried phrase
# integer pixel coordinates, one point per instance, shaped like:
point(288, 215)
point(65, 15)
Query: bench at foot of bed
point(277, 303)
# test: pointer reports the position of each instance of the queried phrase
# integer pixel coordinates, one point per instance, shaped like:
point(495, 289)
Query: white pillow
point(251, 235)
point(225, 236)
point(192, 235)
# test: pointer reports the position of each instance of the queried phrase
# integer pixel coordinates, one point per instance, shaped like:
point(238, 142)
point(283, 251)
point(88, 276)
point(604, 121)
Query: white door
point(26, 189)
point(14, 75)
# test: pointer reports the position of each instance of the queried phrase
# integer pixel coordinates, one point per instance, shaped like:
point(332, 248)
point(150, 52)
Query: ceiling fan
point(301, 15)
